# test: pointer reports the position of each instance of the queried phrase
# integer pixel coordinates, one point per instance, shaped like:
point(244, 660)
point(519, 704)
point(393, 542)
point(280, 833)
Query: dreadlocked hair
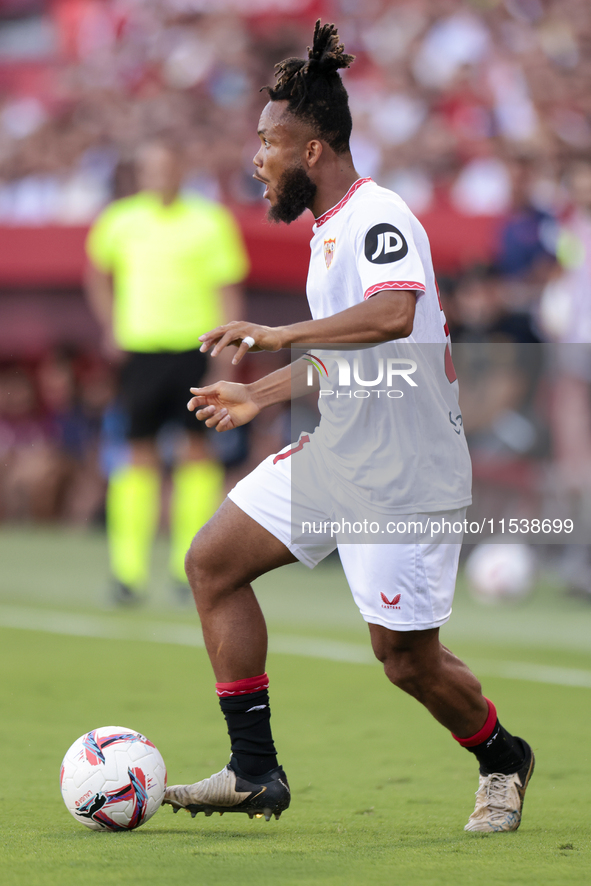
point(314, 90)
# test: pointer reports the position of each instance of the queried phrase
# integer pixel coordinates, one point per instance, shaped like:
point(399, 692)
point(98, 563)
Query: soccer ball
point(498, 572)
point(113, 779)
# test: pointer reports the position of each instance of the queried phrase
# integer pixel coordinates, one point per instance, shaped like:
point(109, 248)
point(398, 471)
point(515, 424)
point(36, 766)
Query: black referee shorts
point(154, 389)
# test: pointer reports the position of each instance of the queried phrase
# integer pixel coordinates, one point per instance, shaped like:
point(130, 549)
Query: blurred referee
point(163, 269)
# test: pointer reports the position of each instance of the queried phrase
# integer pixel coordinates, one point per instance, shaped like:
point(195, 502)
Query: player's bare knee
point(212, 574)
point(411, 659)
point(204, 578)
point(406, 671)
point(194, 562)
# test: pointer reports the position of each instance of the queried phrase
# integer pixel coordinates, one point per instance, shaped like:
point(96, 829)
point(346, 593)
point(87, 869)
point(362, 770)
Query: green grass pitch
point(380, 791)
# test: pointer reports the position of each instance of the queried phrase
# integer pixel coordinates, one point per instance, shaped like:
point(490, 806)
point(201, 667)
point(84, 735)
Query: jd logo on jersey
point(384, 243)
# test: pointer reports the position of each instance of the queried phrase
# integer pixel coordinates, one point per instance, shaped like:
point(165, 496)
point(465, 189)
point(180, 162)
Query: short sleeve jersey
point(168, 264)
point(370, 242)
point(400, 450)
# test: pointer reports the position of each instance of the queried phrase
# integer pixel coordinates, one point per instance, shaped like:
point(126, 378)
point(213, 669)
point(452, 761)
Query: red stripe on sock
point(483, 733)
point(243, 687)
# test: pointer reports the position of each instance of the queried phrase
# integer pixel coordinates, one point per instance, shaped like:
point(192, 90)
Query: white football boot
point(233, 791)
point(499, 798)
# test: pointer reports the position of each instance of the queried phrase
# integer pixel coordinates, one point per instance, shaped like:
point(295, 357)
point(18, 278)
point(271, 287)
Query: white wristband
point(248, 340)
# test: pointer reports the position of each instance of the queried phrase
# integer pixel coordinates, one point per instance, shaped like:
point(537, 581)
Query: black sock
point(248, 717)
point(500, 752)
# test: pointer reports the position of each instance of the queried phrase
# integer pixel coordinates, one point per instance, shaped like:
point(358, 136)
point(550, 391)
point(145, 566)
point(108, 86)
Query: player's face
point(279, 164)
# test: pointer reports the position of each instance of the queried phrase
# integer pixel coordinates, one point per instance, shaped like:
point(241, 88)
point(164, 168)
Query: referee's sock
point(133, 504)
point(495, 749)
point(197, 492)
point(245, 705)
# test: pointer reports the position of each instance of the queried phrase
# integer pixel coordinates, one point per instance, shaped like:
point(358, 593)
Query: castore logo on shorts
point(390, 604)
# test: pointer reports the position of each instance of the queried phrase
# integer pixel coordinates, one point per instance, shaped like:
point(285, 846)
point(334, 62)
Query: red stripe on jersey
point(438, 294)
point(330, 212)
point(405, 284)
point(450, 369)
point(298, 448)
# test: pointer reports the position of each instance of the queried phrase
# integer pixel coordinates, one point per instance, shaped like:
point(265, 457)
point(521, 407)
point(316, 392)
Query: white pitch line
point(104, 628)
point(75, 625)
point(534, 673)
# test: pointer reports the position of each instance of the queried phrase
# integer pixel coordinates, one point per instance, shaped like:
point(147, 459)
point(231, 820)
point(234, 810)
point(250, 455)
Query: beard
point(295, 192)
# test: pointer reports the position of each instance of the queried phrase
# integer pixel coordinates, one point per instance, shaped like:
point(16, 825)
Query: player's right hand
point(223, 405)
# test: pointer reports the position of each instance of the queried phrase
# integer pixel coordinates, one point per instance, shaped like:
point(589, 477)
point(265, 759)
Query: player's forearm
point(381, 318)
point(285, 384)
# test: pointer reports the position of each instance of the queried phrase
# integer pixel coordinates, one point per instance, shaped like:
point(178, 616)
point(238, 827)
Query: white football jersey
point(368, 242)
point(391, 429)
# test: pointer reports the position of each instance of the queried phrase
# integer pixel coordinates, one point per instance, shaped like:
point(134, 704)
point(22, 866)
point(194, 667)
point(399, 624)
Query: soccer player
point(164, 268)
point(370, 281)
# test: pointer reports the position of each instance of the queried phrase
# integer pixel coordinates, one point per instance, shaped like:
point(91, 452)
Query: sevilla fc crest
point(329, 246)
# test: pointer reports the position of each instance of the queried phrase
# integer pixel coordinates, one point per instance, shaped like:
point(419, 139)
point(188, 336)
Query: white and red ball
point(113, 779)
point(500, 572)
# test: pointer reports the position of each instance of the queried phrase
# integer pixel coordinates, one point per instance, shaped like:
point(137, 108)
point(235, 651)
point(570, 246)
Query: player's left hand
point(266, 338)
point(224, 405)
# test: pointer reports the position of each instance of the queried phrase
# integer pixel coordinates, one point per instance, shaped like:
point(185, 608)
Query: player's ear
point(313, 152)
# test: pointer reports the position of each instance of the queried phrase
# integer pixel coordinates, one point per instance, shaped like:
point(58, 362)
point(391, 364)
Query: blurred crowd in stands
point(481, 106)
point(447, 95)
point(52, 457)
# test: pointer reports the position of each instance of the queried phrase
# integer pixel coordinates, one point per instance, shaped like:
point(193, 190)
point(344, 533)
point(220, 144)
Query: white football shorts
point(403, 587)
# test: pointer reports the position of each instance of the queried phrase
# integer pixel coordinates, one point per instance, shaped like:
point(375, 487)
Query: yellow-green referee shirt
point(168, 264)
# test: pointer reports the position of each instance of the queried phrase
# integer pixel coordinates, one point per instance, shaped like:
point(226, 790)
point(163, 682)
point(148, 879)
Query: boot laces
point(496, 789)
